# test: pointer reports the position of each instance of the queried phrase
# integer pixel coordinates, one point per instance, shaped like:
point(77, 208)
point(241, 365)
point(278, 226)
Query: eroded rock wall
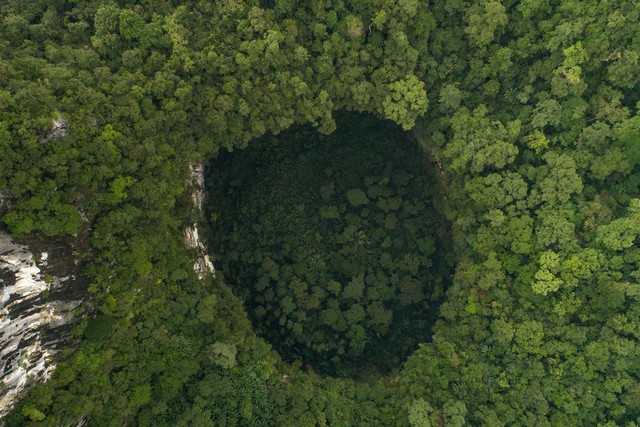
point(34, 323)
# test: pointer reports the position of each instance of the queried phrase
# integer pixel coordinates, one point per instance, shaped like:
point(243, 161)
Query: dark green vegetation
point(331, 242)
point(529, 108)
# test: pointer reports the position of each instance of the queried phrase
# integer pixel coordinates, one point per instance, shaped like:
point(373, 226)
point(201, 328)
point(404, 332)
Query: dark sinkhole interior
point(334, 243)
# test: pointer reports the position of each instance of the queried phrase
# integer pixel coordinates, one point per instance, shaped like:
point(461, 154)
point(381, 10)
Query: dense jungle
point(414, 213)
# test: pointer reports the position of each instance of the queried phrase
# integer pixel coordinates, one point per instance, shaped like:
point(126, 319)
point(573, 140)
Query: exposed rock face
point(197, 183)
point(34, 323)
point(202, 264)
point(59, 129)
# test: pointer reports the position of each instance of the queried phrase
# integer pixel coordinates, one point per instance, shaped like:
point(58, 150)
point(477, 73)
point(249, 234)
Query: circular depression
point(335, 243)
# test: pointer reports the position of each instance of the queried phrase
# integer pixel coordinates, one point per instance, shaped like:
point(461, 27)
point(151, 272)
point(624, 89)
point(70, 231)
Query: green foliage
point(99, 327)
point(535, 143)
point(621, 233)
point(454, 413)
point(419, 412)
point(357, 197)
point(407, 100)
point(329, 212)
point(33, 414)
point(141, 396)
point(546, 281)
point(483, 20)
point(223, 354)
point(481, 143)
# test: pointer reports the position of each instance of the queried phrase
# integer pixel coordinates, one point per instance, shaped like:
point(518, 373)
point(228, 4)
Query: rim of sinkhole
point(335, 243)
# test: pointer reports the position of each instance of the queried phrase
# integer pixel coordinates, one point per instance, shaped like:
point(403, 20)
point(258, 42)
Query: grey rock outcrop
point(33, 327)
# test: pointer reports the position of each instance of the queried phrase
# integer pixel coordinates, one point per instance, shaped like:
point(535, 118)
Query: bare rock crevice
point(202, 264)
point(59, 129)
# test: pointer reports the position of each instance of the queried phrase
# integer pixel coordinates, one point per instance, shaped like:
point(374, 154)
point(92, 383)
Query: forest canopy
point(528, 111)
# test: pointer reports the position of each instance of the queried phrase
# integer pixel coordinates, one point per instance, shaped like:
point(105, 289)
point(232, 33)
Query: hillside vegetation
point(526, 113)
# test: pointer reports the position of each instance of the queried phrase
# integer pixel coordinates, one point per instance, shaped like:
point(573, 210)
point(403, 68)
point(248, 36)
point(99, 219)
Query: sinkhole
point(335, 243)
